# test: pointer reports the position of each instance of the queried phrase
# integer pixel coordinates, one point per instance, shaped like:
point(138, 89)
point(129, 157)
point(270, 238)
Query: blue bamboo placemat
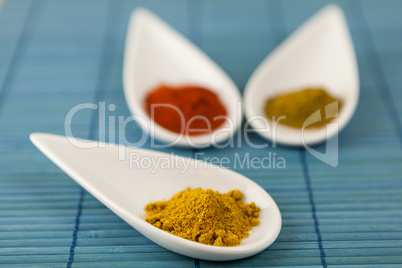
point(57, 54)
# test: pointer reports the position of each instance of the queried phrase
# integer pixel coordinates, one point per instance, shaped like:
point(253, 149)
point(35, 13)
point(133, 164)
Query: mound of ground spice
point(299, 106)
point(188, 109)
point(205, 216)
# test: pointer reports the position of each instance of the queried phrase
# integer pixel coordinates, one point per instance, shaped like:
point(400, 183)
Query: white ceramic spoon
point(157, 54)
point(126, 185)
point(319, 53)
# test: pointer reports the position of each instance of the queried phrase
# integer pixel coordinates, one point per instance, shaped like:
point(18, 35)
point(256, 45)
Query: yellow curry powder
point(205, 216)
point(299, 106)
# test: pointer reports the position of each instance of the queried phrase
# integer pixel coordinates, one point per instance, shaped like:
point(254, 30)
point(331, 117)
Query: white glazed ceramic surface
point(157, 54)
point(126, 189)
point(319, 53)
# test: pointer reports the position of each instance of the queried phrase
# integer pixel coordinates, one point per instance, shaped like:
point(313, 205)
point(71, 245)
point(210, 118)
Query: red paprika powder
point(188, 109)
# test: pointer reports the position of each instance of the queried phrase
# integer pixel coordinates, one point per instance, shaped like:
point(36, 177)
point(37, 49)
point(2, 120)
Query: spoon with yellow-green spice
point(319, 54)
point(127, 179)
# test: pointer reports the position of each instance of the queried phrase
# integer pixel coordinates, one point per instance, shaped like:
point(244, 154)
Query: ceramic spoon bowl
point(126, 179)
point(157, 54)
point(319, 54)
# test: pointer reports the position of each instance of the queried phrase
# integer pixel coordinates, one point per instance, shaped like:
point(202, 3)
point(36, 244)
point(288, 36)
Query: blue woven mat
point(57, 54)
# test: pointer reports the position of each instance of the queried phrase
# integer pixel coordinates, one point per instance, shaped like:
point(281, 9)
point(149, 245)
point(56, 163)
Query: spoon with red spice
point(197, 104)
point(127, 179)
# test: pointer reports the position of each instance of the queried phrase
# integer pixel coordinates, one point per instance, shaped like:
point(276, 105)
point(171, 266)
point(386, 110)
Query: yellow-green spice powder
point(298, 106)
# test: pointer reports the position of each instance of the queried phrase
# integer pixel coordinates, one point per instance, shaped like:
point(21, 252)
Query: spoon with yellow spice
point(187, 206)
point(307, 89)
